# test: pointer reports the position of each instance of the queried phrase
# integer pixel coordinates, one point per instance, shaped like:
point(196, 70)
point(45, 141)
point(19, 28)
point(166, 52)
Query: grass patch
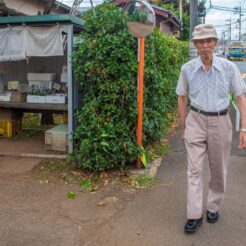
point(53, 171)
point(144, 181)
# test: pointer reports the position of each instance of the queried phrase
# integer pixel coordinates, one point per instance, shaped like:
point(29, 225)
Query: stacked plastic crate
point(10, 122)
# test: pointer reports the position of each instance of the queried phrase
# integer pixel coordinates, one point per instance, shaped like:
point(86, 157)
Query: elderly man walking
point(207, 130)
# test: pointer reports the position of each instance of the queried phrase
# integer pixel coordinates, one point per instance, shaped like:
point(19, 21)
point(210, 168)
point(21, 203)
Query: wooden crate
point(9, 114)
point(56, 138)
point(18, 96)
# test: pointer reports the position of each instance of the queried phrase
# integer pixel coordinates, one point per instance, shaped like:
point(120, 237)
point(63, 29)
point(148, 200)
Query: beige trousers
point(206, 135)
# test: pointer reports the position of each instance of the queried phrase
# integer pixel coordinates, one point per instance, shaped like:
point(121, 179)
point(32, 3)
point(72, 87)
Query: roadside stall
point(36, 74)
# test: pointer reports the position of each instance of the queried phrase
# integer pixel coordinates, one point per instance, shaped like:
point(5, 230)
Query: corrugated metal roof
point(42, 19)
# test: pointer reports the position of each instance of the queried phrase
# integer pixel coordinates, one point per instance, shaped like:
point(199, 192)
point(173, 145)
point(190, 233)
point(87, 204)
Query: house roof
point(43, 19)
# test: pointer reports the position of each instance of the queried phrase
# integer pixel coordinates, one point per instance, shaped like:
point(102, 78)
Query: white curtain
point(44, 41)
point(13, 44)
point(18, 43)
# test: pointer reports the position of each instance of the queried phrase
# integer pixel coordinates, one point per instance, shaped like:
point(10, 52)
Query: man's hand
point(242, 140)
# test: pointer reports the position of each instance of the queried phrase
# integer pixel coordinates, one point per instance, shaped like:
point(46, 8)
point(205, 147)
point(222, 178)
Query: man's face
point(206, 47)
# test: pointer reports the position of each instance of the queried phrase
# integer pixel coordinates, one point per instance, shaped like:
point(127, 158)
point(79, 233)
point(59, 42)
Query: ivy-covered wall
point(106, 66)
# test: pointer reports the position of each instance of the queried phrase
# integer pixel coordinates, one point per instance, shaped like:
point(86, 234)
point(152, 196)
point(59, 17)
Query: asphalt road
point(241, 65)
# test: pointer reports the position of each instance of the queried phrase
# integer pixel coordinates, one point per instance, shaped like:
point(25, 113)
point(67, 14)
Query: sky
point(215, 17)
point(218, 18)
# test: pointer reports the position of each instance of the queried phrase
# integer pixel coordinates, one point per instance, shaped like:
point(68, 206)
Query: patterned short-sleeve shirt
point(209, 91)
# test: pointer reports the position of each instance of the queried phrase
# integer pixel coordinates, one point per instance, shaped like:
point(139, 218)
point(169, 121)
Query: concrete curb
point(154, 166)
point(151, 171)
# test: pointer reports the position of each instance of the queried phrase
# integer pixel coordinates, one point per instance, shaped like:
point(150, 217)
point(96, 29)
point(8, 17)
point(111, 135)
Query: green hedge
point(106, 65)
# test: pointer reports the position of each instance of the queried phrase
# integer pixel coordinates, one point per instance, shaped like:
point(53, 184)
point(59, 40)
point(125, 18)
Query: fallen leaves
point(108, 200)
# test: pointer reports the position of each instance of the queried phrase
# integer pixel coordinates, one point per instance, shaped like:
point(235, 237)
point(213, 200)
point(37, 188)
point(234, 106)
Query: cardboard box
point(41, 76)
point(18, 96)
point(57, 138)
point(56, 98)
point(5, 97)
point(35, 99)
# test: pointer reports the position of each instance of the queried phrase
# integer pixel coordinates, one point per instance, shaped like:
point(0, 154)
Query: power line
point(236, 9)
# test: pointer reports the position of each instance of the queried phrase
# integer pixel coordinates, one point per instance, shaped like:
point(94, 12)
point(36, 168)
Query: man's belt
point(223, 112)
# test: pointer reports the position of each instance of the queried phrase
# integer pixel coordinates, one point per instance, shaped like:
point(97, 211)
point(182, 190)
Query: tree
point(106, 65)
point(175, 3)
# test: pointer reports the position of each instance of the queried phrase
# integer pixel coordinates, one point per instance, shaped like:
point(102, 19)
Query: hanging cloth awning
point(18, 43)
point(13, 44)
point(44, 41)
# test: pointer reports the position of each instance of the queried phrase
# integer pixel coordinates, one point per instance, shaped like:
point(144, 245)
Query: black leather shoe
point(192, 225)
point(212, 217)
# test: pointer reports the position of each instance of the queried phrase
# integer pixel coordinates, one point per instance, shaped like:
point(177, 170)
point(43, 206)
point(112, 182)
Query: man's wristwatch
point(243, 130)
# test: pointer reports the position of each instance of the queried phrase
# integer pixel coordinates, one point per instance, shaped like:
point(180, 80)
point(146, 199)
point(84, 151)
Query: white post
point(237, 123)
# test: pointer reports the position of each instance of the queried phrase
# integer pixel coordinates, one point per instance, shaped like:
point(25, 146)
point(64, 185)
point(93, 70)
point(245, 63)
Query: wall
point(17, 70)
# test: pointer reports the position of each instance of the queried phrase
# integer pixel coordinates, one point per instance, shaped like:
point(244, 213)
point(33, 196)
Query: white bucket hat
point(204, 31)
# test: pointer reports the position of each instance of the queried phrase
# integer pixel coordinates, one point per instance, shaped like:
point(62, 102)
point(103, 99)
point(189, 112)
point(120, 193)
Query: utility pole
point(75, 6)
point(181, 13)
point(193, 22)
point(240, 23)
point(239, 11)
point(193, 15)
point(229, 28)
